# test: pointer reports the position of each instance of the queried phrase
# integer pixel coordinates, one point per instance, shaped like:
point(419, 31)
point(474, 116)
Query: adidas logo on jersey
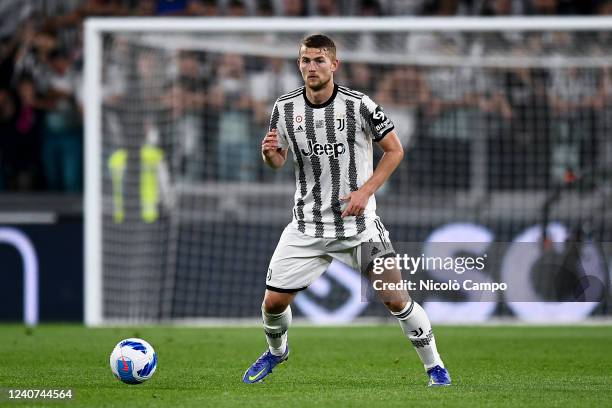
point(329, 149)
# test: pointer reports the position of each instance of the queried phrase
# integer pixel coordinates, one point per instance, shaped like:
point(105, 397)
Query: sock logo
point(418, 332)
point(423, 342)
point(275, 335)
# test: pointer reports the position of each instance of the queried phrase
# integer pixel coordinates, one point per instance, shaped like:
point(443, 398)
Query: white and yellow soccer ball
point(133, 361)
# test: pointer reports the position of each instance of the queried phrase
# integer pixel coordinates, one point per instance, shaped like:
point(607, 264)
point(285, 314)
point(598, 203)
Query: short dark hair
point(320, 41)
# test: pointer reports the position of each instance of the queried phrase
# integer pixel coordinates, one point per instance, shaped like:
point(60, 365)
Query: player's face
point(317, 67)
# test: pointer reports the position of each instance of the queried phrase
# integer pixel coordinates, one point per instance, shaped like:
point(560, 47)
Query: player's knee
point(395, 305)
point(275, 303)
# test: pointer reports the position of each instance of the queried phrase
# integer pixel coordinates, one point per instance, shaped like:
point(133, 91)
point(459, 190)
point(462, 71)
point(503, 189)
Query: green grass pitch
point(368, 366)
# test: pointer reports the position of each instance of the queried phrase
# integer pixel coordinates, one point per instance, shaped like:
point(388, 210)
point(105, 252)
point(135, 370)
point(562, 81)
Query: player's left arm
point(392, 157)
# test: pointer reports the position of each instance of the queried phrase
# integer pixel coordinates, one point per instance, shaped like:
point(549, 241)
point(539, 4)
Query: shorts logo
point(269, 277)
point(329, 149)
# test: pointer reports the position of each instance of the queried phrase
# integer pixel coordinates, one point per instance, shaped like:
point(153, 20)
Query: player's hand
point(357, 202)
point(269, 143)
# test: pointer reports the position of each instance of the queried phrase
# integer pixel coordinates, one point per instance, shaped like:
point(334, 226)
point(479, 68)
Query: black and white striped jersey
point(332, 154)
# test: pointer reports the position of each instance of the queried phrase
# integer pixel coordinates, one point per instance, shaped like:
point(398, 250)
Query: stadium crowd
point(526, 113)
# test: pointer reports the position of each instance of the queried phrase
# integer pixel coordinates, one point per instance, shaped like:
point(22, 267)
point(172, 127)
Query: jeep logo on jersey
point(329, 149)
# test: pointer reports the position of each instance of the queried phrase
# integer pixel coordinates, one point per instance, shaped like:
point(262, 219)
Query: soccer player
point(330, 130)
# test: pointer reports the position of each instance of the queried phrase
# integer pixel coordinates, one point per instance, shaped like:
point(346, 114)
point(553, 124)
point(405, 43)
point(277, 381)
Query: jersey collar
point(324, 104)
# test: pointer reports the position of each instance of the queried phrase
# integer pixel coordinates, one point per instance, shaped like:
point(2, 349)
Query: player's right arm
point(271, 153)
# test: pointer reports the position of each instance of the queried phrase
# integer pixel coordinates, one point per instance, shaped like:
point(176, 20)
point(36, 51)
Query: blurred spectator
point(368, 40)
point(8, 112)
point(577, 97)
point(402, 91)
point(145, 97)
point(327, 8)
point(294, 8)
point(22, 143)
point(370, 8)
point(264, 8)
point(604, 158)
point(32, 56)
point(491, 96)
point(521, 152)
point(40, 86)
point(203, 8)
point(543, 7)
point(63, 130)
point(104, 8)
point(279, 77)
point(144, 8)
point(604, 7)
point(450, 113)
point(151, 80)
point(489, 123)
point(114, 73)
point(8, 50)
point(360, 77)
point(503, 7)
point(406, 7)
point(537, 7)
point(170, 7)
point(236, 8)
point(237, 151)
point(187, 101)
point(448, 44)
point(13, 13)
point(441, 8)
point(575, 7)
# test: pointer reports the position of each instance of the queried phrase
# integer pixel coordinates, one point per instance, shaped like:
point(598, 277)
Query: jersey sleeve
point(278, 124)
point(375, 122)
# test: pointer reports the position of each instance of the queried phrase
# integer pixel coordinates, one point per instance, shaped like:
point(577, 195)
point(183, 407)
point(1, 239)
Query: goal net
point(506, 126)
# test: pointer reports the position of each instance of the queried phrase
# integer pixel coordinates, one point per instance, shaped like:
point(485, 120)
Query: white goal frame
point(96, 27)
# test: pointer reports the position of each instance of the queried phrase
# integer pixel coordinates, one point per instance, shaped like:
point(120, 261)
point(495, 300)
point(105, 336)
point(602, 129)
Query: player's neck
point(320, 96)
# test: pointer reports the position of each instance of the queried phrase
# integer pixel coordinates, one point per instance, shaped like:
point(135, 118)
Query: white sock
point(416, 326)
point(275, 326)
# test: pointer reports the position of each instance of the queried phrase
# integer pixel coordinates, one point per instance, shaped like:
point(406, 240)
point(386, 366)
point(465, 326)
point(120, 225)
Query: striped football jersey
point(332, 154)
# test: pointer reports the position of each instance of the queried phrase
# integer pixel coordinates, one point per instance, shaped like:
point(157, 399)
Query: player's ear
point(335, 64)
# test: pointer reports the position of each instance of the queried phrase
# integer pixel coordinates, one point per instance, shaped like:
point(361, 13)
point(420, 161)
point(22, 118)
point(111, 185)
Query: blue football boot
point(263, 366)
point(438, 376)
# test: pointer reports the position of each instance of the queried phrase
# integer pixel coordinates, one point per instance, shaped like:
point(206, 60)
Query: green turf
point(373, 366)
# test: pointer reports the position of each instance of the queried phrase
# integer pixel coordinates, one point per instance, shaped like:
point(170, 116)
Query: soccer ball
point(133, 361)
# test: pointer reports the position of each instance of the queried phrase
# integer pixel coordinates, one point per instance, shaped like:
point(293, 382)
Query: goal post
point(180, 218)
point(93, 195)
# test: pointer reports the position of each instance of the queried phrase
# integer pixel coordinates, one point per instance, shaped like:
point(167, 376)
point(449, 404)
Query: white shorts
point(299, 259)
